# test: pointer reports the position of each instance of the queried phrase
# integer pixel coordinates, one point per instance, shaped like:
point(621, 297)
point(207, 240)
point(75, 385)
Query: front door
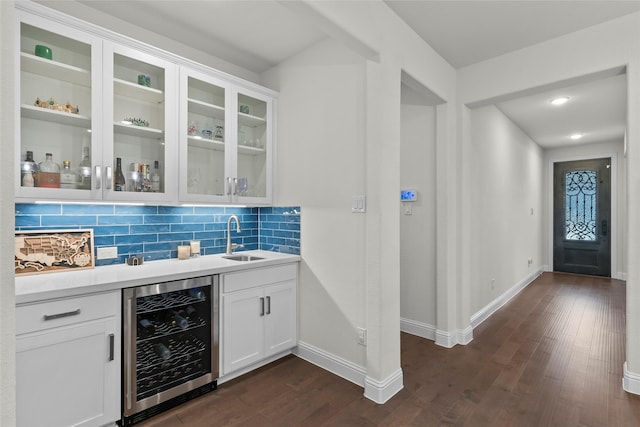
point(582, 217)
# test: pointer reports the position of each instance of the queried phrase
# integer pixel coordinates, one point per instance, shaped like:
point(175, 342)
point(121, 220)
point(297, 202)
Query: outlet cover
point(107, 252)
point(358, 204)
point(362, 336)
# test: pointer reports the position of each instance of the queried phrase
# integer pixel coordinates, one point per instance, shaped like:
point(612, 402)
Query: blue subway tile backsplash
point(155, 232)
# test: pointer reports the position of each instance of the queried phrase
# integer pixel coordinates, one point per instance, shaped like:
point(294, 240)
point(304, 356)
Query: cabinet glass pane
point(138, 128)
point(252, 149)
point(55, 107)
point(206, 138)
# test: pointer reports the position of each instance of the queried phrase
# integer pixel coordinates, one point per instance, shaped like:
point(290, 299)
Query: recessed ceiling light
point(559, 100)
point(576, 136)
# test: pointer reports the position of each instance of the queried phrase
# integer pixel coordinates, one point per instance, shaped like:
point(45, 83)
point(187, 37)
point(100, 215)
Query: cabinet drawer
point(51, 314)
point(240, 280)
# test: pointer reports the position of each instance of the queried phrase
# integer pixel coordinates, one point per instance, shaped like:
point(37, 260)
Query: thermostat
point(408, 195)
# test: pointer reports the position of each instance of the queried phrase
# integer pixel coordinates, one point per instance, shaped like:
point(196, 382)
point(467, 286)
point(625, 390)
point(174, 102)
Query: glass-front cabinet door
point(140, 148)
point(252, 178)
point(204, 140)
point(60, 108)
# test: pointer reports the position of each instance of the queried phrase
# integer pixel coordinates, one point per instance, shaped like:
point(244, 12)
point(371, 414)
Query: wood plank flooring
point(553, 356)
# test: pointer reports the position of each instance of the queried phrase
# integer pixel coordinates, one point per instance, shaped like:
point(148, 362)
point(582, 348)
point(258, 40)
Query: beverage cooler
point(170, 345)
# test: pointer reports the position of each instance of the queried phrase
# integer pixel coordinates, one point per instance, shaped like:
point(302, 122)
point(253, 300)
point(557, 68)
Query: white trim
point(614, 202)
point(419, 329)
point(459, 336)
point(228, 377)
point(381, 391)
point(332, 363)
point(630, 381)
point(621, 276)
point(486, 312)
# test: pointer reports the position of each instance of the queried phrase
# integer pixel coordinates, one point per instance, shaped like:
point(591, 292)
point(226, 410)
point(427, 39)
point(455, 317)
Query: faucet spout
point(232, 246)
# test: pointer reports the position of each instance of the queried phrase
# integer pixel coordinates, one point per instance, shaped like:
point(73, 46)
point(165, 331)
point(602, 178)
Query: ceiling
point(259, 34)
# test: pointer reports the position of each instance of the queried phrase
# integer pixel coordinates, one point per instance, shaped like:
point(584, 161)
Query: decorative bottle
point(155, 178)
point(68, 178)
point(49, 175)
point(29, 171)
point(119, 182)
point(85, 170)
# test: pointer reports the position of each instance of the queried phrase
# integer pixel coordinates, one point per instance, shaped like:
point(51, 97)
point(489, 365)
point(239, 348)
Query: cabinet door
point(254, 120)
point(242, 329)
point(140, 102)
point(281, 329)
point(205, 156)
point(65, 377)
point(59, 95)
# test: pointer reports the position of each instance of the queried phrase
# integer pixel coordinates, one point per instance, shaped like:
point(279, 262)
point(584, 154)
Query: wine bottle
point(162, 351)
point(119, 181)
point(145, 328)
point(175, 319)
point(192, 313)
point(196, 293)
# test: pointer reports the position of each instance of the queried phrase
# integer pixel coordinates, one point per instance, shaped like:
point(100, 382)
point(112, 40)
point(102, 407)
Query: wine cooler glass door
point(171, 340)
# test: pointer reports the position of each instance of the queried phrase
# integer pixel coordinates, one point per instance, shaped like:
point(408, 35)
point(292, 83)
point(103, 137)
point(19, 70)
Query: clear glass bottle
point(29, 171)
point(49, 175)
point(118, 179)
point(84, 170)
point(155, 178)
point(68, 178)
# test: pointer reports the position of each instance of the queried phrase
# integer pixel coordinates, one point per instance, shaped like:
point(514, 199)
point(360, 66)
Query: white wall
point(320, 166)
point(506, 206)
point(418, 230)
point(612, 149)
point(7, 221)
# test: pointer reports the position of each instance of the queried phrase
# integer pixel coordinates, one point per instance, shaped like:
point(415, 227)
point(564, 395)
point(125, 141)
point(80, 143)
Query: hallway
point(551, 356)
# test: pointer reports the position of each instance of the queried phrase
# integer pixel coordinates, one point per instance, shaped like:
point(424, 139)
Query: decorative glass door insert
point(581, 207)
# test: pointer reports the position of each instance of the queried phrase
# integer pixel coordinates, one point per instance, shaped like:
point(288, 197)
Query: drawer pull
point(268, 305)
point(61, 315)
point(261, 306)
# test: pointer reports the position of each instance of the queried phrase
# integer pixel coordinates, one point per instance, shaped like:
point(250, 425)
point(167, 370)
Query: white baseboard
point(621, 276)
point(630, 381)
point(228, 377)
point(381, 391)
point(459, 336)
point(419, 329)
point(495, 305)
point(334, 364)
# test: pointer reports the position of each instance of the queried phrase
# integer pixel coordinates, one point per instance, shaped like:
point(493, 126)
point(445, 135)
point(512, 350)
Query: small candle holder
point(194, 246)
point(184, 252)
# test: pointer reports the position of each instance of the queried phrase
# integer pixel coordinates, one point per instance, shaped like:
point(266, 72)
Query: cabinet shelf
point(249, 120)
point(206, 109)
point(60, 117)
point(212, 144)
point(54, 70)
point(141, 131)
point(134, 90)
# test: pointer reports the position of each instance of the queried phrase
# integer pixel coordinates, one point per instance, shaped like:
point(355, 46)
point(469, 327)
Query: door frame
point(614, 204)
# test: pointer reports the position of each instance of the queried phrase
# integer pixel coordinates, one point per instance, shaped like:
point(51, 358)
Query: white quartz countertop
point(47, 286)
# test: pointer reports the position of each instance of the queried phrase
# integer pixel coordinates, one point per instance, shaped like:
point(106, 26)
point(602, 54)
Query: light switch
point(358, 204)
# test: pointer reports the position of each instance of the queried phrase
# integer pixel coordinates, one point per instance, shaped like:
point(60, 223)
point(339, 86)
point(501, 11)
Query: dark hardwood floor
point(553, 356)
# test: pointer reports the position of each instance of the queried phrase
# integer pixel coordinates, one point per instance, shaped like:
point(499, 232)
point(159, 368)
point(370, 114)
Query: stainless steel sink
point(243, 258)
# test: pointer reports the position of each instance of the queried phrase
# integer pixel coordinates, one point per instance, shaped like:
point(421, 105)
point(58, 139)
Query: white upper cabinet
point(225, 141)
point(140, 125)
point(60, 101)
point(183, 132)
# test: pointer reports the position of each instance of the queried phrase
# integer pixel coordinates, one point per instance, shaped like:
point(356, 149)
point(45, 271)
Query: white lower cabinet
point(259, 315)
point(68, 361)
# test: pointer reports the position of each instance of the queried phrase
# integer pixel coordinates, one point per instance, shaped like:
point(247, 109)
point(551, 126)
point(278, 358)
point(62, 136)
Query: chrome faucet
point(232, 246)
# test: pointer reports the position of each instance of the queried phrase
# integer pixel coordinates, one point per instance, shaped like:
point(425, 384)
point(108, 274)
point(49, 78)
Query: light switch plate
point(358, 204)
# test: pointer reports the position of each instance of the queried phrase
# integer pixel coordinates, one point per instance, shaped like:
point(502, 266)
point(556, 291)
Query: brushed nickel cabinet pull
point(61, 315)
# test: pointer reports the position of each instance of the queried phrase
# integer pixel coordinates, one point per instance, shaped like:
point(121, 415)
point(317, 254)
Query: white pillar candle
point(184, 252)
